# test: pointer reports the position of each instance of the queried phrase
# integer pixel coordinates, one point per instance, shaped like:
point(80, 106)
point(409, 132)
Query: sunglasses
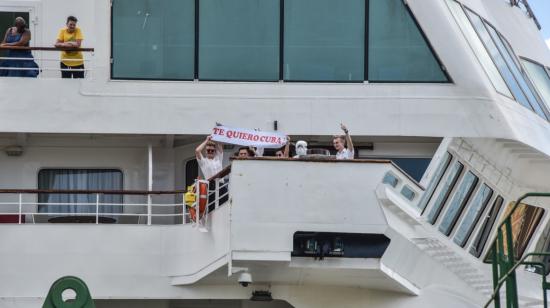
point(210, 151)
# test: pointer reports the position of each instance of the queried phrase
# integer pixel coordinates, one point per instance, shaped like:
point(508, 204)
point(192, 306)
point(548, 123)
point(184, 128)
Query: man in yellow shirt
point(72, 62)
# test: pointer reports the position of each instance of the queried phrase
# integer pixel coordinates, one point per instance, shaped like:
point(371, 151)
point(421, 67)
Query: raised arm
point(348, 138)
point(286, 151)
point(200, 148)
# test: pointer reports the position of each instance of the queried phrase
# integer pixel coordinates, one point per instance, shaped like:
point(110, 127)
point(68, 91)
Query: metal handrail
point(528, 8)
point(509, 276)
point(47, 48)
point(503, 279)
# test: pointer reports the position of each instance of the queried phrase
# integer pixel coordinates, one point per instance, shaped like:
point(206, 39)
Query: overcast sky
point(542, 11)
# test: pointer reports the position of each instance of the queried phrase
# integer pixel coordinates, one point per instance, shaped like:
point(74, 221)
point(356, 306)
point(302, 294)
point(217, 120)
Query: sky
point(542, 11)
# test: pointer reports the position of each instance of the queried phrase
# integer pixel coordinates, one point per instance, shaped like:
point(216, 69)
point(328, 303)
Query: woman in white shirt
point(212, 163)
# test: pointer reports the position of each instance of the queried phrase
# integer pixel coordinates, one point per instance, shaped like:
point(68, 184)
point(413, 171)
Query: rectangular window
point(79, 179)
point(540, 78)
point(153, 39)
point(506, 64)
point(478, 48)
point(239, 40)
point(443, 164)
point(445, 191)
point(479, 243)
point(525, 221)
point(397, 48)
point(458, 203)
point(324, 40)
point(477, 207)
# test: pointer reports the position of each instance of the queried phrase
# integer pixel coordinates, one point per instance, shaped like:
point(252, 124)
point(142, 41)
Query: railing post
point(183, 209)
point(511, 281)
point(216, 193)
point(96, 209)
point(20, 206)
point(496, 277)
point(149, 209)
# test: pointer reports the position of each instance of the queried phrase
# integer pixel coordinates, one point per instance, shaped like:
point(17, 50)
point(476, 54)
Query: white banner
point(247, 137)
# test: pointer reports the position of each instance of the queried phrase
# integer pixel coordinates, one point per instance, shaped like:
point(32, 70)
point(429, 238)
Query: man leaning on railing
point(72, 62)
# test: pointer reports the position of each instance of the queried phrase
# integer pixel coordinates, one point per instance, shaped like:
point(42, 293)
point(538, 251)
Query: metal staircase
point(504, 262)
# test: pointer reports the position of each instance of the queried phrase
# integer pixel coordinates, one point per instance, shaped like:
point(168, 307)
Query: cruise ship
point(444, 205)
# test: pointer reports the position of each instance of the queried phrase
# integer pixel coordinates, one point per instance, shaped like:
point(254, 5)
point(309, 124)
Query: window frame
point(428, 43)
point(487, 228)
point(445, 197)
point(444, 164)
point(365, 79)
point(544, 67)
point(473, 187)
point(472, 225)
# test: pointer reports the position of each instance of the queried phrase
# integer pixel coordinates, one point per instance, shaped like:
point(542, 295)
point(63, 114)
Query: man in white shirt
point(212, 163)
point(340, 143)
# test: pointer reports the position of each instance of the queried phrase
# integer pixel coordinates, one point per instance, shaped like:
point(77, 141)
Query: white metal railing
point(48, 65)
point(171, 210)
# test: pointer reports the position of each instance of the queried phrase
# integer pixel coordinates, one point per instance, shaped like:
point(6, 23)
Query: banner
point(247, 137)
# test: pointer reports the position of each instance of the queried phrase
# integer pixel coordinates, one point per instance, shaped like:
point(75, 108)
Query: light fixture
point(13, 150)
point(261, 296)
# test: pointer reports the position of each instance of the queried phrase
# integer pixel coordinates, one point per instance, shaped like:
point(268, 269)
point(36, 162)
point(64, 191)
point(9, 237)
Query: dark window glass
point(324, 40)
point(458, 202)
point(397, 49)
point(415, 167)
point(153, 39)
point(477, 207)
point(79, 179)
point(488, 222)
point(445, 191)
point(239, 40)
point(426, 197)
point(515, 67)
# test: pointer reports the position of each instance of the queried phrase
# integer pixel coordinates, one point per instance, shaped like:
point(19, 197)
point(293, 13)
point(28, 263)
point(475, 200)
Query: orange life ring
point(203, 200)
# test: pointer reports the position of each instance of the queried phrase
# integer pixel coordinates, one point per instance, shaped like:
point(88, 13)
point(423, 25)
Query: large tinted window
point(478, 48)
point(443, 164)
point(457, 204)
point(445, 191)
point(481, 239)
point(477, 207)
point(415, 167)
point(324, 40)
point(153, 39)
point(541, 79)
point(506, 65)
point(397, 49)
point(239, 40)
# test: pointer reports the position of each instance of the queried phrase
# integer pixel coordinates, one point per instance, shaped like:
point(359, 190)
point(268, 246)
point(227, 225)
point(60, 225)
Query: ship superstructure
point(448, 104)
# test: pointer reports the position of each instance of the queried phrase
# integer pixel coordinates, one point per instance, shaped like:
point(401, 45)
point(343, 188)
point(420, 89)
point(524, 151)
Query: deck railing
point(21, 206)
point(524, 5)
point(47, 59)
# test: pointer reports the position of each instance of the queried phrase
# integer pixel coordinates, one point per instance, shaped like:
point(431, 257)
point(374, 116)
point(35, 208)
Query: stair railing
point(504, 262)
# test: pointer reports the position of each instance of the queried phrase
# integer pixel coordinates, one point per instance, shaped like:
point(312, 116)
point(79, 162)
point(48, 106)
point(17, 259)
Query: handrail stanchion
point(217, 193)
point(96, 209)
point(183, 209)
point(149, 209)
point(20, 206)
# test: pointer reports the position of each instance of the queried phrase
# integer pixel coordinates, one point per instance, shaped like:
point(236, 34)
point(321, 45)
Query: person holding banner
point(212, 163)
point(343, 145)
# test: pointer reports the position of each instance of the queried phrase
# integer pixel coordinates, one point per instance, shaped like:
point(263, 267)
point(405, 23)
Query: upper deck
point(372, 83)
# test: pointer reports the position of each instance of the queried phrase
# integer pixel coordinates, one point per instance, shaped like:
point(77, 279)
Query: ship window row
point(271, 40)
point(499, 61)
point(458, 200)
